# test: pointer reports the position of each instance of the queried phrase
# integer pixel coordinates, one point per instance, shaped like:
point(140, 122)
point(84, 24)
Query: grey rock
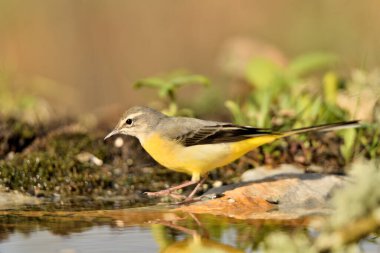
point(264, 172)
point(14, 198)
point(311, 192)
point(295, 193)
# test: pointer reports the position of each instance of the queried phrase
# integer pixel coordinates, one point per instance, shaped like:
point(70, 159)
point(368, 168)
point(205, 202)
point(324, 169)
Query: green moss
point(16, 135)
point(50, 168)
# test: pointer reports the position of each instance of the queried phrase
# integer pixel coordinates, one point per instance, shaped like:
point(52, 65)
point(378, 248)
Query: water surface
point(138, 230)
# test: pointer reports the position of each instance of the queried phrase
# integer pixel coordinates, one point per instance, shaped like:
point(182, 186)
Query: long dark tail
point(323, 128)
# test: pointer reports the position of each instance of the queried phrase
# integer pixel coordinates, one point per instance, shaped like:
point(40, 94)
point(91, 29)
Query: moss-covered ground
point(55, 162)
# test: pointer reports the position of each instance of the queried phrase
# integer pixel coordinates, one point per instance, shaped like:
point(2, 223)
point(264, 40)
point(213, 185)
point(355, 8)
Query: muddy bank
point(70, 164)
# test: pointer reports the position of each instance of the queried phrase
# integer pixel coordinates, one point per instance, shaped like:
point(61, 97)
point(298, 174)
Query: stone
point(281, 196)
point(264, 171)
point(86, 157)
point(13, 199)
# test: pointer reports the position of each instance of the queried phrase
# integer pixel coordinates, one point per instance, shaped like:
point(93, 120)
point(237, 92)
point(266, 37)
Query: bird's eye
point(128, 122)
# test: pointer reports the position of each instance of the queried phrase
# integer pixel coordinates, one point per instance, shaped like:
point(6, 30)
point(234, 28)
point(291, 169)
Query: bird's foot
point(159, 193)
point(166, 192)
point(170, 190)
point(183, 199)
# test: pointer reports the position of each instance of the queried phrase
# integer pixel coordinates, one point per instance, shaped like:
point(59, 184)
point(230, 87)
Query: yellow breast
point(198, 159)
point(165, 152)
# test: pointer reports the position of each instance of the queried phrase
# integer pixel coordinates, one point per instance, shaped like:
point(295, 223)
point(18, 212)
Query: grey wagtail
point(196, 146)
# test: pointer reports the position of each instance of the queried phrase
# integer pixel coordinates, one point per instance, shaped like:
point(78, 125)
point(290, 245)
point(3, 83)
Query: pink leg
point(191, 195)
point(171, 189)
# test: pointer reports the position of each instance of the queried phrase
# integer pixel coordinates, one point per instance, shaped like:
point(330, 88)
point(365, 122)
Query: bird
point(195, 146)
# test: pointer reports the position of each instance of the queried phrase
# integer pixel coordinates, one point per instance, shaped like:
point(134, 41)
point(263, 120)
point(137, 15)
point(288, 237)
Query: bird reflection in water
point(195, 241)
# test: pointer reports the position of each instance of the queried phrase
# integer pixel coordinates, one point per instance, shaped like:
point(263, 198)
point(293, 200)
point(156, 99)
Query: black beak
point(111, 134)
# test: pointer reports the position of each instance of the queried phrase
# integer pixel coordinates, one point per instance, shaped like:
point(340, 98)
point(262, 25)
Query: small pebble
point(10, 155)
point(56, 197)
point(119, 142)
point(217, 184)
point(117, 171)
point(129, 162)
point(88, 157)
point(96, 161)
point(231, 200)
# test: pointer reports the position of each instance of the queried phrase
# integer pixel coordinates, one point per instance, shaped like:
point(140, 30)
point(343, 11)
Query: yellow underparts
point(199, 159)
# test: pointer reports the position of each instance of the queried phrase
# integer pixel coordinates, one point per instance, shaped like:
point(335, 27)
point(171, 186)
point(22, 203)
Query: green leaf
point(330, 87)
point(165, 92)
point(347, 149)
point(236, 112)
point(263, 118)
point(313, 109)
point(167, 85)
point(190, 79)
point(263, 73)
point(153, 82)
point(307, 63)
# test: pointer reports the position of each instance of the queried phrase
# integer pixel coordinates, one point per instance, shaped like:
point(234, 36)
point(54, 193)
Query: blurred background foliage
point(167, 88)
point(84, 56)
point(285, 69)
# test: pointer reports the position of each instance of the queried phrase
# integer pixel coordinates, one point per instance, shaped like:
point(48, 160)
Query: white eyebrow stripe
point(134, 115)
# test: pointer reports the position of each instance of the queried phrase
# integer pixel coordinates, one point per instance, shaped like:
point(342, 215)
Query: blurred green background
point(84, 56)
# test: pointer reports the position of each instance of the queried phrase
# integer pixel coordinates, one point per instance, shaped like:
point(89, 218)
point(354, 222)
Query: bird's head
point(138, 121)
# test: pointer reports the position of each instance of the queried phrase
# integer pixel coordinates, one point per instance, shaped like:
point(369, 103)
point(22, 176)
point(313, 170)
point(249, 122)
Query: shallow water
point(96, 239)
point(130, 230)
point(137, 230)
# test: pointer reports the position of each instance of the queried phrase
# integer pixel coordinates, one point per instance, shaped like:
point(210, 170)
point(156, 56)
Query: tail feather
point(323, 128)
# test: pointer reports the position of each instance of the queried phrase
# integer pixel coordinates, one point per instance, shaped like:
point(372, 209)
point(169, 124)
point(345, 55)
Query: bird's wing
point(189, 132)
